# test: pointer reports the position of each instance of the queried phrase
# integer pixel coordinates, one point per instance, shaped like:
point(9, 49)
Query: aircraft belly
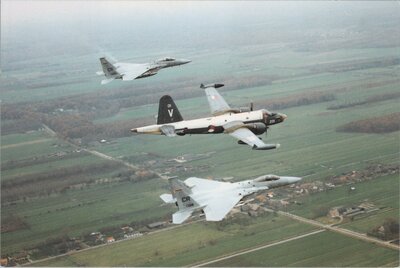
point(213, 125)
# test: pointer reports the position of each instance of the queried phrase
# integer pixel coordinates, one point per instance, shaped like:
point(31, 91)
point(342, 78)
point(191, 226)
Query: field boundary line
point(70, 253)
point(101, 155)
point(342, 231)
point(25, 143)
point(246, 251)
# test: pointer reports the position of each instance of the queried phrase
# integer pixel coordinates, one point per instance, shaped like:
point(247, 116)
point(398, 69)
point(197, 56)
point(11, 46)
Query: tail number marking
point(185, 199)
point(170, 112)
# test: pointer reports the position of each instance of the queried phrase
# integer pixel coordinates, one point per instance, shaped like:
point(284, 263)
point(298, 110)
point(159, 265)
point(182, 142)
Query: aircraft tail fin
point(181, 193)
point(109, 70)
point(167, 111)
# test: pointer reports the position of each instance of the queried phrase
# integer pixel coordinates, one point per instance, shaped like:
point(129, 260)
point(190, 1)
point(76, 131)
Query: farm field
point(188, 244)
point(87, 210)
point(323, 249)
point(310, 148)
point(309, 131)
point(367, 191)
point(57, 187)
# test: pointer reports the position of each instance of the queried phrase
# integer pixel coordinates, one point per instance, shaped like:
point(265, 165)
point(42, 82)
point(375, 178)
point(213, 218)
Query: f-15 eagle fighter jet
point(243, 123)
point(131, 71)
point(214, 198)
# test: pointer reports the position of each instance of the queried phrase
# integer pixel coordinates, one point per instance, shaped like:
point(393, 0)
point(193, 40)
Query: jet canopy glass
point(167, 59)
point(267, 178)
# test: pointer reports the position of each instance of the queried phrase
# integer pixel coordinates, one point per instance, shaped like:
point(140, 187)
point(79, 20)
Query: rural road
point(113, 243)
point(101, 155)
point(257, 248)
point(24, 143)
point(317, 224)
point(342, 231)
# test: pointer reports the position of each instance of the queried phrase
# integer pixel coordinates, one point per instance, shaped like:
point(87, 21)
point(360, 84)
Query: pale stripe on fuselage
point(202, 124)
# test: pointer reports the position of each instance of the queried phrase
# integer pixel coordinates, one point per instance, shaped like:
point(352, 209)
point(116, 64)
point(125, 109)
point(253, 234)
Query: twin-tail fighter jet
point(131, 71)
point(243, 123)
point(215, 198)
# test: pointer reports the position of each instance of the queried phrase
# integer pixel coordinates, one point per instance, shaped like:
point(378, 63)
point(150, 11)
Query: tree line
point(371, 99)
point(381, 124)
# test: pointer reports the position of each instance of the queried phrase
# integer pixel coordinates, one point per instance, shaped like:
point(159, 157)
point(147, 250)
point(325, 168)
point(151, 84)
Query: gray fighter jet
point(216, 198)
point(131, 71)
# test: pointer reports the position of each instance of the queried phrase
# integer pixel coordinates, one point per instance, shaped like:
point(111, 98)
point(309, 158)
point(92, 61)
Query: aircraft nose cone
point(185, 61)
point(294, 179)
point(283, 116)
point(134, 130)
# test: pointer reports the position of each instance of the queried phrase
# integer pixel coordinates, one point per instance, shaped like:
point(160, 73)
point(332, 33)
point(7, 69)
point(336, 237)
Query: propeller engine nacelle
point(257, 128)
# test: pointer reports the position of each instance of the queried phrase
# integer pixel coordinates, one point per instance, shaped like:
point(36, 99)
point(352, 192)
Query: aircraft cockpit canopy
point(267, 178)
point(167, 59)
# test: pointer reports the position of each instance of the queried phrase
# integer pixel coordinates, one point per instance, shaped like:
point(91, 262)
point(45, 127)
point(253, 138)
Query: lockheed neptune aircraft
point(215, 198)
point(243, 124)
point(131, 71)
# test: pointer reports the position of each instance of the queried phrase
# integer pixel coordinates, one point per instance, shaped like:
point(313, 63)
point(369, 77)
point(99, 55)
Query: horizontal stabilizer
point(100, 73)
point(168, 130)
point(168, 198)
point(266, 147)
point(181, 216)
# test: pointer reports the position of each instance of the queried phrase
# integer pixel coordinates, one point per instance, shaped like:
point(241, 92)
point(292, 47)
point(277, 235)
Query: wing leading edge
point(131, 71)
point(219, 206)
point(245, 135)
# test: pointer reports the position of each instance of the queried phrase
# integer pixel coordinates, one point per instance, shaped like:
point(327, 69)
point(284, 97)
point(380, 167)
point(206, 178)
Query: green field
point(370, 191)
point(187, 244)
point(310, 147)
point(319, 250)
point(87, 211)
point(308, 139)
point(341, 65)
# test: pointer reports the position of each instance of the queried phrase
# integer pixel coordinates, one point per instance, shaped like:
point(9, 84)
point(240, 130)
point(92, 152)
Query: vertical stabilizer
point(181, 192)
point(167, 111)
point(109, 70)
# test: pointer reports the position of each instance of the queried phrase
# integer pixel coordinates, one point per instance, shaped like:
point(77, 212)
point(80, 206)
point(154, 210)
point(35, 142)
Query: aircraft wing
point(219, 206)
point(245, 135)
point(197, 184)
point(217, 104)
point(131, 71)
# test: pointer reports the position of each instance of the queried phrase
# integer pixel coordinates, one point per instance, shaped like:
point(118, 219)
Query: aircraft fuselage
point(208, 125)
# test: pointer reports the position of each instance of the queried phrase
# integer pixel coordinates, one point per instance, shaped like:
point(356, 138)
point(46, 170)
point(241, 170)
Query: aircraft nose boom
point(291, 180)
point(184, 61)
point(283, 116)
